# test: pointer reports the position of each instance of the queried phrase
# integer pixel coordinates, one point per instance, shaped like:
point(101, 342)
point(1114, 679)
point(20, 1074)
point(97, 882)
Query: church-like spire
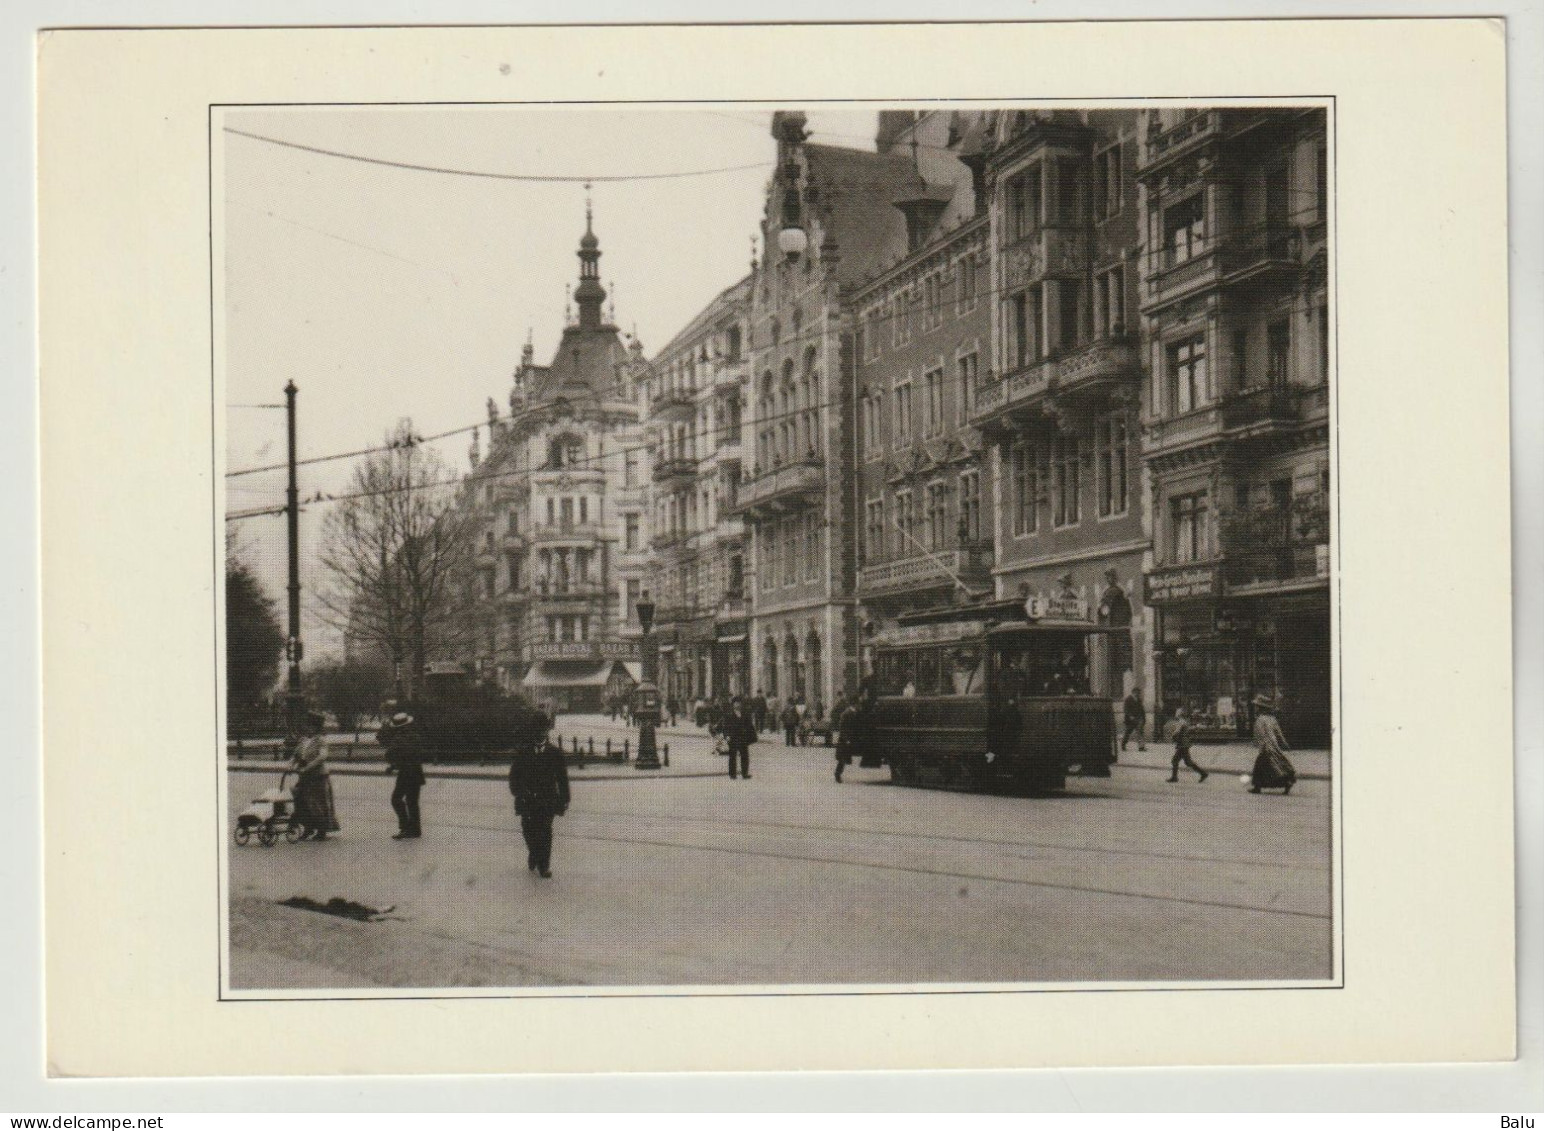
point(589, 294)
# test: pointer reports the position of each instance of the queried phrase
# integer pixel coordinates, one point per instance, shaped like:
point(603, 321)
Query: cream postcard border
point(129, 569)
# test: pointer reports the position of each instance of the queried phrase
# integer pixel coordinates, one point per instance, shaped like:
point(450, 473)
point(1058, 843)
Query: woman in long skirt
point(1272, 769)
point(313, 786)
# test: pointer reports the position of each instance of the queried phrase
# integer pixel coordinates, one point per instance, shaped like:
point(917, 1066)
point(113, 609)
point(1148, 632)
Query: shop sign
point(1064, 606)
point(1181, 583)
point(585, 650)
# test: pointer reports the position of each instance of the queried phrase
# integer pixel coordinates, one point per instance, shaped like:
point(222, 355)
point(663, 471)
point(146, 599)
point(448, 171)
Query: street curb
point(487, 775)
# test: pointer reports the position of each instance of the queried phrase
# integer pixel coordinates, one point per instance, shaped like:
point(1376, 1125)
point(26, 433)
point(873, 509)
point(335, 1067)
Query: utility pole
point(294, 701)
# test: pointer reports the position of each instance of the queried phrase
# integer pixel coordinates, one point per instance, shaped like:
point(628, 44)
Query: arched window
point(769, 676)
point(795, 668)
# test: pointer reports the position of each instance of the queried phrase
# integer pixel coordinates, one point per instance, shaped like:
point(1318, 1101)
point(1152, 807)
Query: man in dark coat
point(790, 722)
point(739, 732)
point(538, 779)
point(758, 712)
point(405, 756)
point(1135, 713)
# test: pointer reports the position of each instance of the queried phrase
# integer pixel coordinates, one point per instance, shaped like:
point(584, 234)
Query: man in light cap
point(404, 755)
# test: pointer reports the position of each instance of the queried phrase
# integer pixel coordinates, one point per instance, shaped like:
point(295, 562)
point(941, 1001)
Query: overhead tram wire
point(533, 178)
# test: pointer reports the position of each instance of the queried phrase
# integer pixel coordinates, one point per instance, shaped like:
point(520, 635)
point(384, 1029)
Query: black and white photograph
point(831, 547)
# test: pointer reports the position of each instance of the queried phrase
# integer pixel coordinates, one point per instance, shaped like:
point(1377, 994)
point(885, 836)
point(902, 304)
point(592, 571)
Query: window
point(735, 587)
point(871, 336)
point(584, 508)
point(550, 520)
point(1026, 491)
point(1108, 185)
point(811, 546)
point(970, 373)
point(933, 410)
point(630, 467)
point(1070, 314)
point(1187, 516)
point(1278, 351)
point(870, 438)
point(630, 534)
point(1024, 203)
point(1187, 375)
point(970, 506)
point(1110, 446)
point(566, 511)
point(489, 587)
point(967, 284)
point(903, 419)
point(1110, 303)
point(906, 539)
point(874, 530)
point(937, 516)
point(1024, 327)
point(514, 521)
point(933, 299)
point(1184, 230)
point(634, 591)
point(1067, 485)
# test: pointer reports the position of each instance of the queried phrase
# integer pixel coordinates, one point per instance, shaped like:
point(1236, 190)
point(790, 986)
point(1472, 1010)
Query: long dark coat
point(538, 779)
point(738, 730)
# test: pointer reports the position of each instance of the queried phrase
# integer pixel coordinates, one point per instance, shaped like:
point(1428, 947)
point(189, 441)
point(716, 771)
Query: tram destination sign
point(1181, 584)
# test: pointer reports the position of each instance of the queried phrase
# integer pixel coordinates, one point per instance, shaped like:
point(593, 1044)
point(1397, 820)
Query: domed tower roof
point(589, 294)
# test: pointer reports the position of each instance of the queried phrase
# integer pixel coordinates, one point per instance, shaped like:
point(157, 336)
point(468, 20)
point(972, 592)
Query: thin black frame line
point(1338, 931)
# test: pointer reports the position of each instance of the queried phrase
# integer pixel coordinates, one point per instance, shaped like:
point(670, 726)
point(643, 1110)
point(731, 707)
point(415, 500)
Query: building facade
point(561, 496)
point(827, 225)
point(921, 350)
point(697, 573)
point(1234, 300)
point(1061, 416)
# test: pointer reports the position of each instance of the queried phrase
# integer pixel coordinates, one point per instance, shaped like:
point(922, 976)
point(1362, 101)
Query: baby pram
point(269, 815)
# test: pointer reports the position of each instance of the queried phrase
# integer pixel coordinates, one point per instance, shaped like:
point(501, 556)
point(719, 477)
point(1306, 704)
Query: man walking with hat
point(404, 754)
point(538, 779)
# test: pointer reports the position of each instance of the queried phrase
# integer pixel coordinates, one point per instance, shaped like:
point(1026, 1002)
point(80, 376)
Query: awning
point(634, 669)
point(551, 673)
point(667, 647)
point(740, 639)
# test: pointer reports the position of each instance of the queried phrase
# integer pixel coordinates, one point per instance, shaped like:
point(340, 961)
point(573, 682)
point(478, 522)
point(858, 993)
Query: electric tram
point(997, 695)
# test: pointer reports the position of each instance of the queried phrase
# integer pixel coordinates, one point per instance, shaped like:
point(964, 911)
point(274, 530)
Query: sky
point(387, 293)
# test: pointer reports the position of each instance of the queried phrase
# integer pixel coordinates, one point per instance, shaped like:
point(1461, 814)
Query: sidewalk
point(1223, 758)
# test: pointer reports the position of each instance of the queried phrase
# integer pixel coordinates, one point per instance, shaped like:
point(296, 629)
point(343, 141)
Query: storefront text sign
point(1180, 584)
point(585, 650)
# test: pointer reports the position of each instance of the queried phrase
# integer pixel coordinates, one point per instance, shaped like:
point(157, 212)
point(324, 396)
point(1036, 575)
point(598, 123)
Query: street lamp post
point(646, 706)
point(294, 698)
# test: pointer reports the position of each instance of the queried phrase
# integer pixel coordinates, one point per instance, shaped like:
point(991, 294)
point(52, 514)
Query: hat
point(1265, 702)
point(401, 719)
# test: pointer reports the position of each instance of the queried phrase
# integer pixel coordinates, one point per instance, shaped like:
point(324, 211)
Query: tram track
point(991, 842)
point(910, 869)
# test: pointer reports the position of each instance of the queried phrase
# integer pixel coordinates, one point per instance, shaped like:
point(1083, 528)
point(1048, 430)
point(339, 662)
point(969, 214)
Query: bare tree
point(396, 550)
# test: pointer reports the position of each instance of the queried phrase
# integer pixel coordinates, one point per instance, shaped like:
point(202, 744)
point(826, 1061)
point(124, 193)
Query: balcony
point(926, 571)
point(674, 404)
point(1098, 367)
point(783, 489)
point(1247, 255)
point(572, 591)
point(1271, 547)
point(581, 533)
point(728, 375)
point(677, 469)
point(1185, 136)
point(1241, 416)
point(1019, 389)
point(1250, 257)
point(734, 606)
point(1048, 252)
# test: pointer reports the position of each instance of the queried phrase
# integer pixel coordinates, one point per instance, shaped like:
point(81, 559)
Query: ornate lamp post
point(646, 702)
